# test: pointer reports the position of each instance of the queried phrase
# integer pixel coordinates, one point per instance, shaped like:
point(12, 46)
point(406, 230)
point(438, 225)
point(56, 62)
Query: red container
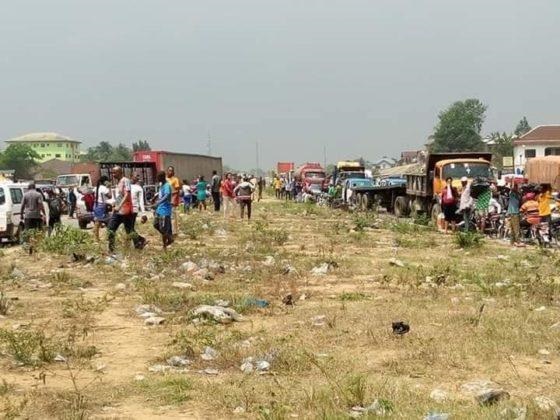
point(284, 167)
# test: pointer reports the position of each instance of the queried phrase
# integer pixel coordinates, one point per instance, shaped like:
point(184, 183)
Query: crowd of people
point(118, 200)
point(517, 210)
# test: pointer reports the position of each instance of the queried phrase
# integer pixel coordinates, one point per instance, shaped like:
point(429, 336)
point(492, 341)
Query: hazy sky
point(361, 77)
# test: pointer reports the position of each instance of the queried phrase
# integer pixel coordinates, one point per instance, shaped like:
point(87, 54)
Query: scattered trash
point(178, 361)
point(120, 287)
point(288, 269)
point(439, 395)
point(502, 258)
point(434, 415)
point(238, 410)
point(139, 378)
point(189, 267)
point(319, 320)
point(181, 285)
point(491, 396)
point(154, 320)
point(378, 408)
point(395, 262)
point(17, 273)
point(60, 358)
point(247, 366)
point(320, 270)
point(209, 354)
point(263, 366)
point(400, 328)
point(218, 313)
point(142, 309)
point(220, 233)
point(288, 300)
point(540, 309)
point(544, 352)
point(210, 371)
point(259, 303)
point(223, 303)
point(269, 261)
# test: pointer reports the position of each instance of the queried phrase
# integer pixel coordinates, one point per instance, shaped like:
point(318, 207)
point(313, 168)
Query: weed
point(170, 389)
point(30, 348)
point(353, 296)
point(5, 304)
point(405, 226)
point(66, 240)
point(469, 239)
point(5, 387)
point(363, 221)
point(356, 390)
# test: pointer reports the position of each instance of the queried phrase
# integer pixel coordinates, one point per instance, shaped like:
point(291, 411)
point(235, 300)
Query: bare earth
point(72, 344)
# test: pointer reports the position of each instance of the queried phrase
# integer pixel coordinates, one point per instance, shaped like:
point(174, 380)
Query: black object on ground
point(400, 328)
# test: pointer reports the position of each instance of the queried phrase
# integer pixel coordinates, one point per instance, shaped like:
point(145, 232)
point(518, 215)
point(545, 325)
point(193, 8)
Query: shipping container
point(284, 167)
point(187, 166)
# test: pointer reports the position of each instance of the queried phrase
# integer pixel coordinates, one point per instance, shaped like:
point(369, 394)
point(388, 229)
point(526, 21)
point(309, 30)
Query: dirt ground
point(317, 291)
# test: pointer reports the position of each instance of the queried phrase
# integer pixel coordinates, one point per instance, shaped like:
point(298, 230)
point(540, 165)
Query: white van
point(11, 220)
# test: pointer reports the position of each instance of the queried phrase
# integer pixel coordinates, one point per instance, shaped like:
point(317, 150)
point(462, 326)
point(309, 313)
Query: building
point(384, 163)
point(409, 156)
point(543, 140)
point(50, 146)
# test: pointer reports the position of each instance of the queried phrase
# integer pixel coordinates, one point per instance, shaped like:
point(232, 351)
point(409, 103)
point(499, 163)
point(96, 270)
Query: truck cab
point(77, 181)
point(457, 169)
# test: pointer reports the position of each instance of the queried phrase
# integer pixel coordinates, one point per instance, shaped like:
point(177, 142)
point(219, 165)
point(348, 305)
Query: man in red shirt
point(228, 185)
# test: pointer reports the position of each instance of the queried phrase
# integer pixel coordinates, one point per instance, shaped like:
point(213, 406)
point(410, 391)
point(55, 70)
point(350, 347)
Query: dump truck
point(312, 176)
point(283, 168)
point(425, 182)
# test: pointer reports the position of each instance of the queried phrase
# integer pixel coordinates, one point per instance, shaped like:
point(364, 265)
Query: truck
point(187, 166)
point(311, 176)
point(348, 169)
point(284, 168)
point(425, 182)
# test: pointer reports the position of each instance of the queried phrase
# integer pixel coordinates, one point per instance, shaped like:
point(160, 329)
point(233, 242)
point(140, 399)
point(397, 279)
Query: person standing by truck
point(33, 212)
point(138, 206)
point(513, 210)
point(122, 212)
point(163, 206)
point(216, 184)
point(102, 196)
point(175, 199)
point(466, 203)
point(72, 199)
point(449, 197)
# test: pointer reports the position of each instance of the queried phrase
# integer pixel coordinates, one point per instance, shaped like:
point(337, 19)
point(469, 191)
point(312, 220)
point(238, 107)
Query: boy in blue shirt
point(162, 219)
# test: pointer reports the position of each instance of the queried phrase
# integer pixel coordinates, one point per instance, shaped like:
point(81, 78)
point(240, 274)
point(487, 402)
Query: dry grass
point(474, 314)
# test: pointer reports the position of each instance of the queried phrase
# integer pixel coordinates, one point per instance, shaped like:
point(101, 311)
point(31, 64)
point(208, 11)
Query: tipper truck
point(312, 176)
point(425, 182)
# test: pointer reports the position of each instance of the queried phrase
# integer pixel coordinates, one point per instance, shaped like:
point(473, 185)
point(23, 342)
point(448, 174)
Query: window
point(552, 151)
point(59, 144)
point(17, 195)
point(2, 196)
point(530, 153)
point(42, 144)
point(58, 155)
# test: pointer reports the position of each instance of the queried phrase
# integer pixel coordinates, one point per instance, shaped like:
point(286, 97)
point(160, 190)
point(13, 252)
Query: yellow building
point(50, 146)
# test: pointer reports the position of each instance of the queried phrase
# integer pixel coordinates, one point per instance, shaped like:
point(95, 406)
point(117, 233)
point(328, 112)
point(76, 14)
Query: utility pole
point(209, 145)
point(325, 157)
point(258, 162)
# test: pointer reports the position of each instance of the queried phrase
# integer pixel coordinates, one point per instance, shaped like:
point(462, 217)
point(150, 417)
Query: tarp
point(401, 170)
point(544, 170)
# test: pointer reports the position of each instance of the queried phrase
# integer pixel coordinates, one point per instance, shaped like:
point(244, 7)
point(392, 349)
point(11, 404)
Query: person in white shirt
point(138, 207)
point(100, 211)
point(187, 196)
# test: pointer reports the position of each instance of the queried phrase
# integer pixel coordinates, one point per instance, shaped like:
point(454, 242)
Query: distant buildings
point(383, 163)
point(543, 140)
point(50, 146)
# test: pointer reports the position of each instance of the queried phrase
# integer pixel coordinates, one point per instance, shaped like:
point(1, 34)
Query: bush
point(469, 239)
point(65, 240)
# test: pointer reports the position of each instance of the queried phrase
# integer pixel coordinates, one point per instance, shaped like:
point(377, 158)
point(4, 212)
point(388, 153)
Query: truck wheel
point(436, 210)
point(83, 224)
point(401, 206)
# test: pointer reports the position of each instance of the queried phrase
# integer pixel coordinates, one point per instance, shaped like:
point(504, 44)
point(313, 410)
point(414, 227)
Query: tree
point(522, 127)
point(106, 152)
point(21, 158)
point(459, 127)
point(141, 146)
point(502, 147)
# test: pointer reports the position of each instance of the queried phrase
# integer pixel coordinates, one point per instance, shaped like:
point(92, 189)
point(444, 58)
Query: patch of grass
point(407, 227)
point(5, 304)
point(363, 221)
point(29, 348)
point(67, 239)
point(468, 239)
point(166, 390)
point(353, 296)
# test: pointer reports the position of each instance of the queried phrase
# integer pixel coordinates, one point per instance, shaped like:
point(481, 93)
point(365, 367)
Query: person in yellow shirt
point(175, 190)
point(544, 199)
point(277, 187)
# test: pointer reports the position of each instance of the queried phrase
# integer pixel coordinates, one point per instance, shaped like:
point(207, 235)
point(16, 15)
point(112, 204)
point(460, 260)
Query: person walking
point(260, 188)
point(201, 193)
point(72, 199)
point(122, 211)
point(163, 210)
point(138, 207)
point(55, 210)
point(33, 211)
point(100, 210)
point(187, 196)
point(449, 197)
point(466, 203)
point(228, 187)
point(244, 192)
point(216, 184)
point(175, 199)
point(513, 211)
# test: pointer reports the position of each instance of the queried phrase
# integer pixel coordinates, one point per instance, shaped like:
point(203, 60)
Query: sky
point(354, 78)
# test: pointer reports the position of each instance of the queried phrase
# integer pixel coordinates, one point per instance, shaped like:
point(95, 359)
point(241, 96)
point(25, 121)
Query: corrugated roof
point(33, 137)
point(542, 133)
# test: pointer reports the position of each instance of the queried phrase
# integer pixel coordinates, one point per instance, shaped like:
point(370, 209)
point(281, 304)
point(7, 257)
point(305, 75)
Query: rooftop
point(47, 137)
point(541, 134)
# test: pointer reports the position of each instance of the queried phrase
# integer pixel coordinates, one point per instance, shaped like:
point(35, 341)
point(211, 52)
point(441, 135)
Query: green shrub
point(65, 240)
point(469, 239)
